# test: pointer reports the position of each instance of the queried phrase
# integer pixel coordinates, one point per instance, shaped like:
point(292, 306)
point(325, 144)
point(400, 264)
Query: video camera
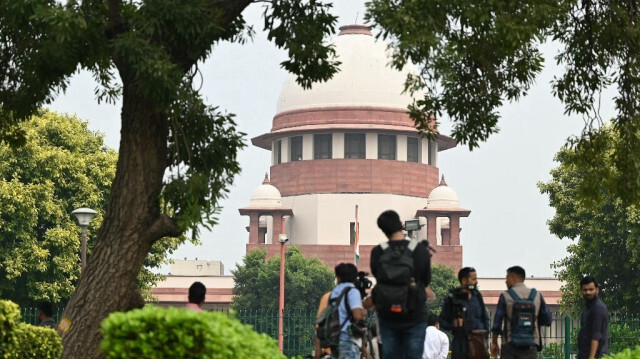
point(363, 283)
point(460, 302)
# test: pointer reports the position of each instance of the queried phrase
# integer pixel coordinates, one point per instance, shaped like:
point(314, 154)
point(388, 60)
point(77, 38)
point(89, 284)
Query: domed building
point(343, 152)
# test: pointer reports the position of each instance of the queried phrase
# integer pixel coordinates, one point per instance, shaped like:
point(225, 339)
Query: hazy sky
point(497, 182)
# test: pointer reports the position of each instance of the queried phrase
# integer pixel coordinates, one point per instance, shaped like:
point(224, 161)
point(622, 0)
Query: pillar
point(254, 227)
point(276, 226)
point(431, 229)
point(454, 229)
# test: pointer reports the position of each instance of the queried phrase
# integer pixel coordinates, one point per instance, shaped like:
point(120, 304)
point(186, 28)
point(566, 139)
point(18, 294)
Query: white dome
point(365, 77)
point(266, 196)
point(443, 196)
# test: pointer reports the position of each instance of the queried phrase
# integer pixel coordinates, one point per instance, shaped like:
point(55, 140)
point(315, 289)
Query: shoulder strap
point(513, 294)
point(384, 245)
point(533, 294)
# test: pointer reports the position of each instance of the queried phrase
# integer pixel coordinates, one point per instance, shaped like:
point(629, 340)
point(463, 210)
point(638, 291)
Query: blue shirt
point(355, 301)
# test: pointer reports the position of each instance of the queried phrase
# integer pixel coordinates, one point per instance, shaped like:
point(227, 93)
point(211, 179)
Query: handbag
point(478, 344)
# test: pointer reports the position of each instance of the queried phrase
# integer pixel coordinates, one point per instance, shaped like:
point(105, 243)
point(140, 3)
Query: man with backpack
point(465, 315)
point(402, 269)
point(337, 324)
point(523, 311)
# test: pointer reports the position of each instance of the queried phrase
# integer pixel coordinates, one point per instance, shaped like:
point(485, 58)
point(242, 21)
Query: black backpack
point(523, 319)
point(328, 325)
point(395, 291)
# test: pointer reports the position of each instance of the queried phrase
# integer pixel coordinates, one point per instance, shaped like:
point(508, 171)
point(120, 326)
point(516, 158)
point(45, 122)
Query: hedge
point(154, 332)
point(25, 341)
point(626, 354)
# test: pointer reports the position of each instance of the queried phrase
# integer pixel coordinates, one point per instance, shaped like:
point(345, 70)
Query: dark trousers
point(459, 344)
point(509, 351)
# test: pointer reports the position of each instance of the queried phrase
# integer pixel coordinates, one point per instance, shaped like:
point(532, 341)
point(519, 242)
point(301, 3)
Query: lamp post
point(84, 216)
point(283, 239)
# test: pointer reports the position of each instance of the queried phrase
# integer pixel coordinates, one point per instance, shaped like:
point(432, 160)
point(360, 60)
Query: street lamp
point(84, 216)
point(283, 239)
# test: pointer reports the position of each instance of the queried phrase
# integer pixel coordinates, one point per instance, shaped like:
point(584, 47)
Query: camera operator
point(465, 315)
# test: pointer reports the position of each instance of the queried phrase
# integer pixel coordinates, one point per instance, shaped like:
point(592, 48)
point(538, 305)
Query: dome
point(266, 196)
point(365, 77)
point(443, 196)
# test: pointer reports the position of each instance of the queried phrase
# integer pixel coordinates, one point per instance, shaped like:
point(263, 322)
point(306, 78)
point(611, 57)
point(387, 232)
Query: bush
point(626, 354)
point(623, 336)
point(37, 343)
point(9, 318)
point(154, 332)
point(25, 341)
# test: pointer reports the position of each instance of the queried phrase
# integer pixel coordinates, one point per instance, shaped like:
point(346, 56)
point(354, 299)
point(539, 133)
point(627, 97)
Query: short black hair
point(347, 272)
point(197, 292)
point(588, 279)
point(389, 222)
point(432, 320)
point(46, 308)
point(518, 271)
point(465, 273)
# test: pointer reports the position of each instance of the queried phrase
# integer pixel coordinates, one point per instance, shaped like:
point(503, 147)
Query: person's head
point(346, 273)
point(197, 292)
point(433, 321)
point(468, 278)
point(389, 222)
point(515, 275)
point(589, 288)
point(45, 310)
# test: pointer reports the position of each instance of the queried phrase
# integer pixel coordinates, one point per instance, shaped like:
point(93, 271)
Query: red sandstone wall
point(354, 175)
point(343, 115)
point(332, 255)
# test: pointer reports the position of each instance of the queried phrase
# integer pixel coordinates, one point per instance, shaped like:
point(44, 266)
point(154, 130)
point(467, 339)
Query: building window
point(296, 148)
point(278, 152)
point(322, 146)
point(433, 150)
point(354, 145)
point(386, 147)
point(413, 149)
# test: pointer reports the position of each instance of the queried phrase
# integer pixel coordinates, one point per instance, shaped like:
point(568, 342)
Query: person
point(402, 334)
point(593, 337)
point(504, 311)
point(45, 315)
point(197, 293)
point(319, 351)
point(349, 345)
point(436, 343)
point(465, 315)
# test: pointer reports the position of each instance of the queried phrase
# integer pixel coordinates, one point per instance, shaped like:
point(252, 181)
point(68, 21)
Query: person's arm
point(594, 348)
point(544, 314)
point(501, 310)
point(444, 347)
point(446, 315)
point(355, 303)
point(597, 319)
point(427, 275)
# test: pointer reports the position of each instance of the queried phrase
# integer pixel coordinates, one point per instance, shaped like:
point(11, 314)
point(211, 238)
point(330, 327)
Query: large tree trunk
point(131, 225)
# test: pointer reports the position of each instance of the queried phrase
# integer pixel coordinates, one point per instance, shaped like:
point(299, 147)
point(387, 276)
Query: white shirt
point(436, 344)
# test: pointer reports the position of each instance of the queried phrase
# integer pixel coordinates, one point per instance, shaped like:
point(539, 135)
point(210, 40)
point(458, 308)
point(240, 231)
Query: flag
point(356, 248)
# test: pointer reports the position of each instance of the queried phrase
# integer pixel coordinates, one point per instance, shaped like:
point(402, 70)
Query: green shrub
point(37, 343)
point(623, 336)
point(154, 332)
point(9, 318)
point(626, 354)
point(553, 351)
point(25, 341)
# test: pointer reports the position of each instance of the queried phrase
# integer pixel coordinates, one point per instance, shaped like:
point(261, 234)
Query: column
point(254, 223)
point(454, 227)
point(276, 226)
point(431, 228)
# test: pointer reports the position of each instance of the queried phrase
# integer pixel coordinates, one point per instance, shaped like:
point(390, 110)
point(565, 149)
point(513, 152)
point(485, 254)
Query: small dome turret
point(266, 195)
point(443, 196)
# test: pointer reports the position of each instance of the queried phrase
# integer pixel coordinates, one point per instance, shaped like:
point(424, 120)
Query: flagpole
point(357, 244)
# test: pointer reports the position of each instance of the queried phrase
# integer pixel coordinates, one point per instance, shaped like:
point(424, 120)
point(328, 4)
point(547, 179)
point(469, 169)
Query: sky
point(497, 181)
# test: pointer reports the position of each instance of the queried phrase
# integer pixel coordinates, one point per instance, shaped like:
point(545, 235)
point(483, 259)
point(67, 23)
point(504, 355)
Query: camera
point(363, 283)
point(460, 299)
point(283, 238)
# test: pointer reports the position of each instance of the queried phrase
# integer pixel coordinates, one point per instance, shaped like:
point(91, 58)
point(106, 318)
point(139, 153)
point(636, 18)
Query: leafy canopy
point(605, 234)
point(443, 279)
point(61, 166)
point(257, 281)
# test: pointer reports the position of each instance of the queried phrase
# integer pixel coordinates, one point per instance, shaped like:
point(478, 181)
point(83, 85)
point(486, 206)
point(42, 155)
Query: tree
point(177, 155)
point(257, 281)
point(474, 56)
point(605, 234)
point(443, 279)
point(61, 166)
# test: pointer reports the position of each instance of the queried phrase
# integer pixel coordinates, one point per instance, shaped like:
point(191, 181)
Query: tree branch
point(164, 226)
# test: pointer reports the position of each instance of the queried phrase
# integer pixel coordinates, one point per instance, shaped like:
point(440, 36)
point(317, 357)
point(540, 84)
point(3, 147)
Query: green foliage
point(154, 332)
point(36, 343)
point(628, 353)
point(624, 334)
point(605, 233)
point(25, 341)
point(257, 281)
point(9, 317)
point(443, 279)
point(553, 351)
